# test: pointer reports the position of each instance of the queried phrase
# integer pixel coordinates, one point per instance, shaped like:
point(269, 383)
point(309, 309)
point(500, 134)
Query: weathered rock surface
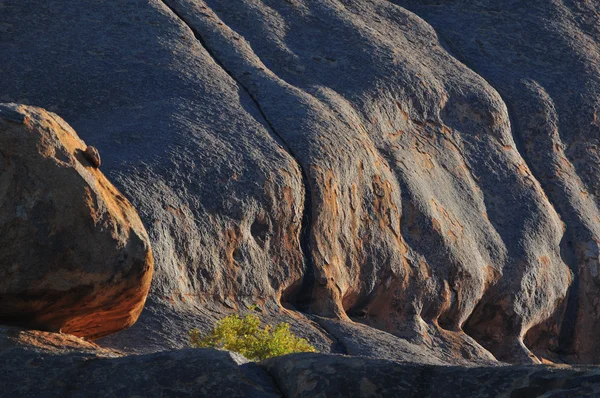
point(15, 340)
point(188, 373)
point(428, 156)
point(27, 371)
point(360, 340)
point(74, 255)
point(343, 159)
point(314, 375)
point(542, 57)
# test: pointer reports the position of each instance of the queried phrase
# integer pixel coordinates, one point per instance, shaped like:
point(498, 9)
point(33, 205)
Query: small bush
point(244, 335)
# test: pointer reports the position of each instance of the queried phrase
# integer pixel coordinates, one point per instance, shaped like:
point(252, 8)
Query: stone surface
point(542, 57)
point(438, 348)
point(26, 372)
point(221, 198)
point(348, 159)
point(314, 375)
point(15, 341)
point(189, 373)
point(74, 255)
point(93, 156)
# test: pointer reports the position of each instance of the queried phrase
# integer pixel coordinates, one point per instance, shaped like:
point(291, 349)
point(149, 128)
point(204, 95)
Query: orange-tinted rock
point(15, 339)
point(74, 255)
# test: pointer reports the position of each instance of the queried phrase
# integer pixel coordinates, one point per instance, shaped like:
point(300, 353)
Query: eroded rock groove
point(306, 222)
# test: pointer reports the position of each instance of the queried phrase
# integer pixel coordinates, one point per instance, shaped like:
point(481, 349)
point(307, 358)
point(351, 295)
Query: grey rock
point(218, 193)
point(361, 340)
point(190, 373)
point(542, 57)
point(31, 365)
point(314, 375)
point(11, 113)
point(342, 158)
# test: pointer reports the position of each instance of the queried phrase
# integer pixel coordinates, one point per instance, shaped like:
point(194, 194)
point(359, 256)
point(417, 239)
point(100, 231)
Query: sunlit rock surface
point(423, 178)
point(74, 254)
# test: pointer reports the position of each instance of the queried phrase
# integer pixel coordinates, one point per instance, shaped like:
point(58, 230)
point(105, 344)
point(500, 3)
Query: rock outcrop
point(28, 371)
point(337, 376)
point(14, 341)
point(542, 57)
point(431, 180)
point(74, 255)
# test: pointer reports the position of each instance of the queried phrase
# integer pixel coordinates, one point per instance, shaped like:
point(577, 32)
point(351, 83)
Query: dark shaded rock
point(93, 156)
point(27, 369)
point(314, 375)
point(12, 114)
point(74, 255)
point(221, 198)
point(409, 228)
point(189, 373)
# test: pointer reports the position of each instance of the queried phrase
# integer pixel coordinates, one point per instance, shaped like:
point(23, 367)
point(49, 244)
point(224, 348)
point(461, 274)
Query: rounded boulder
point(74, 255)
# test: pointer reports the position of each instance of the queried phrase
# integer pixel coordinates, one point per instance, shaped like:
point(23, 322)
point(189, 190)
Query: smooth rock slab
point(74, 255)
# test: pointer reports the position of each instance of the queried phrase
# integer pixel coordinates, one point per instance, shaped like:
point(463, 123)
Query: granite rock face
point(74, 255)
point(542, 57)
point(425, 177)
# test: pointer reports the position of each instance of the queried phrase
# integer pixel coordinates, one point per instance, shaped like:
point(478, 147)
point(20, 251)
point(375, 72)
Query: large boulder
point(74, 255)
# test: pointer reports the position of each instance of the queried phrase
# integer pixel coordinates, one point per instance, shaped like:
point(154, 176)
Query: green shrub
point(244, 335)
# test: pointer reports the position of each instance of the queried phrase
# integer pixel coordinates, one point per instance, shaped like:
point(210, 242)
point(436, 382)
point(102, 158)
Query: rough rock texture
point(28, 371)
point(190, 373)
point(341, 158)
point(543, 58)
point(14, 341)
point(74, 255)
point(427, 158)
point(313, 375)
point(360, 340)
point(221, 197)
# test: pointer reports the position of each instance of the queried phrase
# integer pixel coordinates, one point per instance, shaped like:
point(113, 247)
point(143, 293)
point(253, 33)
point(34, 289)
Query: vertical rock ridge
point(306, 222)
point(553, 102)
point(566, 250)
point(361, 261)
